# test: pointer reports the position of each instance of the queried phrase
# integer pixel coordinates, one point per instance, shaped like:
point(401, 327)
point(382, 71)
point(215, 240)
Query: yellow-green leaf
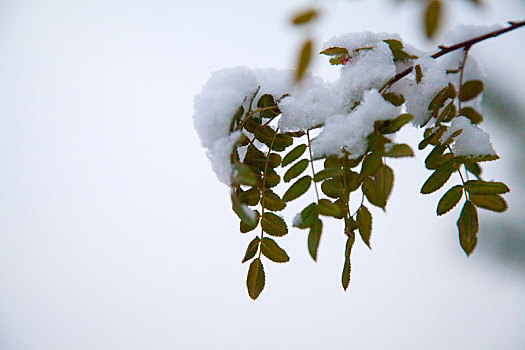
point(491, 202)
point(333, 188)
point(305, 17)
point(384, 181)
point(314, 237)
point(371, 163)
point(297, 189)
point(364, 223)
point(252, 249)
point(400, 151)
point(470, 90)
point(307, 216)
point(327, 208)
point(296, 170)
point(273, 225)
point(432, 18)
point(438, 178)
point(450, 199)
point(304, 60)
point(243, 175)
point(247, 227)
point(345, 278)
point(392, 126)
point(271, 201)
point(272, 251)
point(293, 155)
point(250, 197)
point(327, 174)
point(484, 187)
point(468, 227)
point(472, 114)
point(255, 279)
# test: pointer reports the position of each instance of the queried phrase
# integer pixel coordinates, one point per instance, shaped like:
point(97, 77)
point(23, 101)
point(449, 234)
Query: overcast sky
point(116, 234)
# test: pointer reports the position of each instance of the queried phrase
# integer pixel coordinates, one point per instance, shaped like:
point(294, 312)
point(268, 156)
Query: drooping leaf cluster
point(265, 159)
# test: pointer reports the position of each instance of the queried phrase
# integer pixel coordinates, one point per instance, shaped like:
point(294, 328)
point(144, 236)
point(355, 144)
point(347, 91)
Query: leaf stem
point(312, 164)
point(264, 185)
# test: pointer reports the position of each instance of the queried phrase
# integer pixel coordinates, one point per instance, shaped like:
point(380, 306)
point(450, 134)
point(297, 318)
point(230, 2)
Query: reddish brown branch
point(462, 45)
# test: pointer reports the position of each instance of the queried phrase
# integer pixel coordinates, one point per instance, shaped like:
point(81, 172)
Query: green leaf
point(250, 197)
point(314, 237)
point(282, 142)
point(394, 125)
point(243, 175)
point(370, 193)
point(251, 123)
point(307, 216)
point(327, 174)
point(272, 251)
point(296, 170)
point(383, 183)
point(345, 278)
point(433, 136)
point(305, 17)
point(396, 47)
point(468, 227)
point(274, 160)
point(438, 178)
point(435, 158)
point(267, 101)
point(400, 151)
point(439, 100)
point(371, 163)
point(271, 179)
point(491, 202)
point(484, 187)
point(274, 225)
point(470, 159)
point(332, 162)
point(335, 51)
point(419, 74)
point(293, 155)
point(472, 114)
point(474, 169)
point(265, 134)
point(449, 200)
point(255, 279)
point(432, 18)
point(244, 227)
point(448, 113)
point(364, 223)
point(252, 249)
point(333, 188)
point(327, 208)
point(271, 201)
point(304, 60)
point(243, 212)
point(470, 90)
point(297, 189)
point(393, 98)
point(255, 158)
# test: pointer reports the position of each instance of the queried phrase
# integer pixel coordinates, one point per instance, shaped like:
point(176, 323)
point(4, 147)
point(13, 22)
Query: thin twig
point(447, 49)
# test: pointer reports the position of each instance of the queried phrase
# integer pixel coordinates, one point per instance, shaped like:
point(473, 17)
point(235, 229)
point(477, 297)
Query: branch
point(462, 45)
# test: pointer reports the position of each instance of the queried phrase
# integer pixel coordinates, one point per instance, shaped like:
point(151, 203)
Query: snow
point(472, 141)
point(419, 96)
point(351, 130)
point(346, 109)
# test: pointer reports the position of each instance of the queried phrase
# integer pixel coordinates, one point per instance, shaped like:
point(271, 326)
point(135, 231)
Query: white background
point(115, 233)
